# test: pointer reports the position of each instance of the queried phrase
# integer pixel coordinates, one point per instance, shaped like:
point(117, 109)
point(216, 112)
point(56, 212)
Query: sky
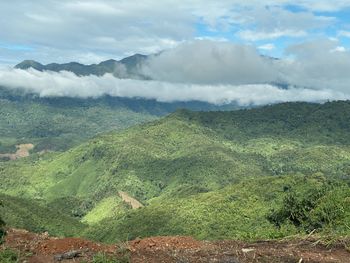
point(215, 51)
point(94, 30)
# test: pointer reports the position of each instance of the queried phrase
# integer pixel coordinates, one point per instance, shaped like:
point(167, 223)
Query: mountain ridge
point(124, 68)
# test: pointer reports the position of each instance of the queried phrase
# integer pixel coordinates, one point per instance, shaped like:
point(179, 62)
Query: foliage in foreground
point(2, 226)
point(319, 207)
point(104, 258)
point(241, 211)
point(8, 256)
point(31, 215)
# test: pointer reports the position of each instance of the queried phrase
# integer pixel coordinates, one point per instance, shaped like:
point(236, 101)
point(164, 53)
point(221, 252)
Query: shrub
point(2, 228)
point(8, 256)
point(312, 209)
point(103, 258)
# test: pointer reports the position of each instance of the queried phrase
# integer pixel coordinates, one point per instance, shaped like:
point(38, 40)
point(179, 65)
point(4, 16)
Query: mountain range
point(128, 67)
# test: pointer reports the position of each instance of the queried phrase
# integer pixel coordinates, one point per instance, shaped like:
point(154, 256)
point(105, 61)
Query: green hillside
point(254, 209)
point(250, 174)
point(31, 215)
point(56, 124)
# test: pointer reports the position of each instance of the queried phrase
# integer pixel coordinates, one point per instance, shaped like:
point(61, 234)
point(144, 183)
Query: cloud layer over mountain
point(318, 64)
point(66, 84)
point(215, 72)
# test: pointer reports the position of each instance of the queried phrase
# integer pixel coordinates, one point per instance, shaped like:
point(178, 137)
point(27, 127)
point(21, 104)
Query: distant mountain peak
point(112, 66)
point(26, 64)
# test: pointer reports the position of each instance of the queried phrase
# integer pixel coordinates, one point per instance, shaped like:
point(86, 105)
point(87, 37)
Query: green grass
point(108, 207)
point(9, 256)
point(103, 258)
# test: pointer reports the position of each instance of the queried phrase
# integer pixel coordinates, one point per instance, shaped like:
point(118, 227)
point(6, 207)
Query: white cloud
point(274, 22)
point(255, 36)
point(48, 84)
point(268, 46)
point(93, 8)
point(316, 65)
point(339, 49)
point(322, 5)
point(209, 62)
point(119, 28)
point(343, 33)
point(319, 64)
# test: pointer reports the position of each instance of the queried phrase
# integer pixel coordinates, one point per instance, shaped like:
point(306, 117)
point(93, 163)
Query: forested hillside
point(249, 174)
point(56, 124)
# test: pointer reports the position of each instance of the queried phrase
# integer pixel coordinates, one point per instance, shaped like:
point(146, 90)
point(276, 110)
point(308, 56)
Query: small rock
point(67, 255)
point(247, 250)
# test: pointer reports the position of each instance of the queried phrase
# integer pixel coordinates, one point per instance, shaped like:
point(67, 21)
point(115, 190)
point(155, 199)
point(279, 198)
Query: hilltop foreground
point(36, 248)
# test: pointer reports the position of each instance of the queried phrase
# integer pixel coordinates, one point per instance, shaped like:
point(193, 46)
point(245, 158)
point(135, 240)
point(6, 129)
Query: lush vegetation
point(56, 124)
point(103, 258)
point(8, 256)
point(246, 210)
point(2, 227)
point(31, 215)
point(249, 174)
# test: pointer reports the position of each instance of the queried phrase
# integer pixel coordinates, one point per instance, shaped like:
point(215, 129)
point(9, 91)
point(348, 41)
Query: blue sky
point(90, 31)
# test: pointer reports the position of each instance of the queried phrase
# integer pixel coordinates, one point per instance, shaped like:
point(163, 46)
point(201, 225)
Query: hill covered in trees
point(251, 174)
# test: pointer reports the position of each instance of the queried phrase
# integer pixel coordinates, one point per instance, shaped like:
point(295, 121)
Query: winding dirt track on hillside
point(130, 200)
point(40, 248)
point(22, 151)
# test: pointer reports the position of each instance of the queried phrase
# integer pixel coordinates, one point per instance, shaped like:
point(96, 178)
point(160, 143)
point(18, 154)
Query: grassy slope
point(193, 155)
point(31, 215)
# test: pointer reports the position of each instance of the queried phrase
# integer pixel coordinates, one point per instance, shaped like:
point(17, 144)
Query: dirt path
point(130, 200)
point(179, 249)
point(22, 151)
point(186, 249)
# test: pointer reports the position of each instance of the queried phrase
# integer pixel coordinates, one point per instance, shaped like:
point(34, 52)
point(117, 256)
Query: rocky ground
point(41, 248)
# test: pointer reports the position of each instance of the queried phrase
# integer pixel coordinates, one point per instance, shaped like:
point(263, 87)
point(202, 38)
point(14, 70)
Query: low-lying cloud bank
point(67, 84)
point(214, 72)
point(318, 64)
point(209, 62)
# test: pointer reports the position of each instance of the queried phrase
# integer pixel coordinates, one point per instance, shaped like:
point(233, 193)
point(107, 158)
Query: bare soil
point(135, 204)
point(41, 248)
point(22, 151)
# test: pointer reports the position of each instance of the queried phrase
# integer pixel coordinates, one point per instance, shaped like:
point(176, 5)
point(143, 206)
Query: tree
point(2, 228)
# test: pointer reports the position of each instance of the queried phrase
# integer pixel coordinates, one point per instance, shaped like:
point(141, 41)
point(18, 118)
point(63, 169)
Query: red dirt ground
point(40, 248)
